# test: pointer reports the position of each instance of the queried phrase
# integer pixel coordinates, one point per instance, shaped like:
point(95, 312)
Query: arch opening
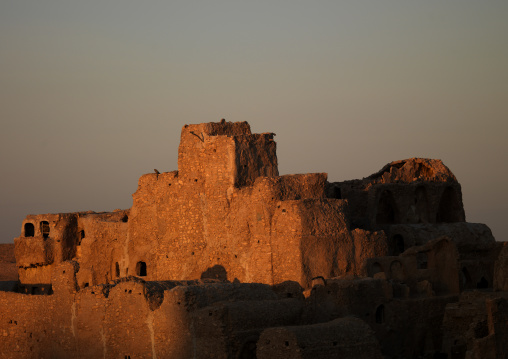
point(29, 230)
point(386, 209)
point(449, 207)
point(482, 284)
point(398, 244)
point(45, 229)
point(376, 268)
point(465, 277)
point(141, 269)
point(421, 205)
point(380, 314)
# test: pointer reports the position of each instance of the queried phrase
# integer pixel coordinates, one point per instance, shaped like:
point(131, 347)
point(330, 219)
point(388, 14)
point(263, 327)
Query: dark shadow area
point(380, 314)
point(45, 229)
point(421, 204)
point(141, 269)
point(29, 230)
point(482, 284)
point(449, 207)
point(248, 348)
point(398, 244)
point(386, 209)
point(9, 286)
point(215, 272)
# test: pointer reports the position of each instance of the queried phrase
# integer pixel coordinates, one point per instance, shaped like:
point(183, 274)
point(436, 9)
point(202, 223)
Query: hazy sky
point(93, 94)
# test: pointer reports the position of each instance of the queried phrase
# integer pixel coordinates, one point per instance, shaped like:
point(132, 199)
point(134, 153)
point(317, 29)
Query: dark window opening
point(334, 192)
point(421, 205)
point(117, 269)
point(376, 268)
point(248, 349)
point(45, 229)
point(386, 210)
point(422, 260)
point(380, 314)
point(86, 285)
point(482, 284)
point(81, 235)
point(29, 230)
point(141, 269)
point(465, 277)
point(398, 242)
point(449, 207)
point(125, 218)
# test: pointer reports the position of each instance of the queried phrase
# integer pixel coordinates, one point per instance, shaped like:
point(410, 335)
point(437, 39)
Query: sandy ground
point(8, 269)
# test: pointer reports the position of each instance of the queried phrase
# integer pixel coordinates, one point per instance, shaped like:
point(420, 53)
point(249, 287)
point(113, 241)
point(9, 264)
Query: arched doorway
point(386, 209)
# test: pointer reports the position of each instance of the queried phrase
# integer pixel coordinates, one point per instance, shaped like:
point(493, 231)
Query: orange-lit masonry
point(388, 249)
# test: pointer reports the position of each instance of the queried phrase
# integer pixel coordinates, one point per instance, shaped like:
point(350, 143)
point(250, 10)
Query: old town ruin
point(225, 258)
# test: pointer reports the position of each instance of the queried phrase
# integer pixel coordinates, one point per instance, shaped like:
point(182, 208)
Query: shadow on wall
point(215, 272)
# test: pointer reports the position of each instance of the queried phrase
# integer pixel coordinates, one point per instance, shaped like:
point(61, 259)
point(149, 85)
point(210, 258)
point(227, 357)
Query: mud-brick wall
point(35, 326)
point(255, 156)
point(193, 140)
point(344, 297)
point(36, 255)
point(25, 324)
point(231, 329)
point(248, 253)
point(178, 223)
point(103, 246)
point(342, 338)
point(413, 327)
point(306, 236)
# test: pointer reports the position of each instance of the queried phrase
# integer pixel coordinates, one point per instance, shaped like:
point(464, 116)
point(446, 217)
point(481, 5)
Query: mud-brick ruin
point(225, 258)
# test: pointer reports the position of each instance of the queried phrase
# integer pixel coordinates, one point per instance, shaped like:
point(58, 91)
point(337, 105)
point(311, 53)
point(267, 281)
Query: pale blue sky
point(94, 93)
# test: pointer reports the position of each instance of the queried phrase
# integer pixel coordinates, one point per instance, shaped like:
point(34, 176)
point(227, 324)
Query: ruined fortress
point(225, 258)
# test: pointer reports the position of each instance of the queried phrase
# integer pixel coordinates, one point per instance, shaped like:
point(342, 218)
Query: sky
point(93, 94)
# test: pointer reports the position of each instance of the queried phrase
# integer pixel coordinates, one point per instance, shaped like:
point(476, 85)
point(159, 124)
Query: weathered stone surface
point(340, 338)
point(225, 258)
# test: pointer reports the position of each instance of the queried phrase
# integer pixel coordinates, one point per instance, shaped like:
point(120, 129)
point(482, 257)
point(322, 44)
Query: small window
point(466, 279)
point(29, 230)
point(141, 269)
point(117, 269)
point(386, 209)
point(376, 268)
point(380, 314)
point(398, 242)
point(81, 235)
point(45, 229)
point(482, 284)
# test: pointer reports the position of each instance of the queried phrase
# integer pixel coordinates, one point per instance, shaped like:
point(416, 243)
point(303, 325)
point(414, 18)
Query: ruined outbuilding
point(225, 258)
